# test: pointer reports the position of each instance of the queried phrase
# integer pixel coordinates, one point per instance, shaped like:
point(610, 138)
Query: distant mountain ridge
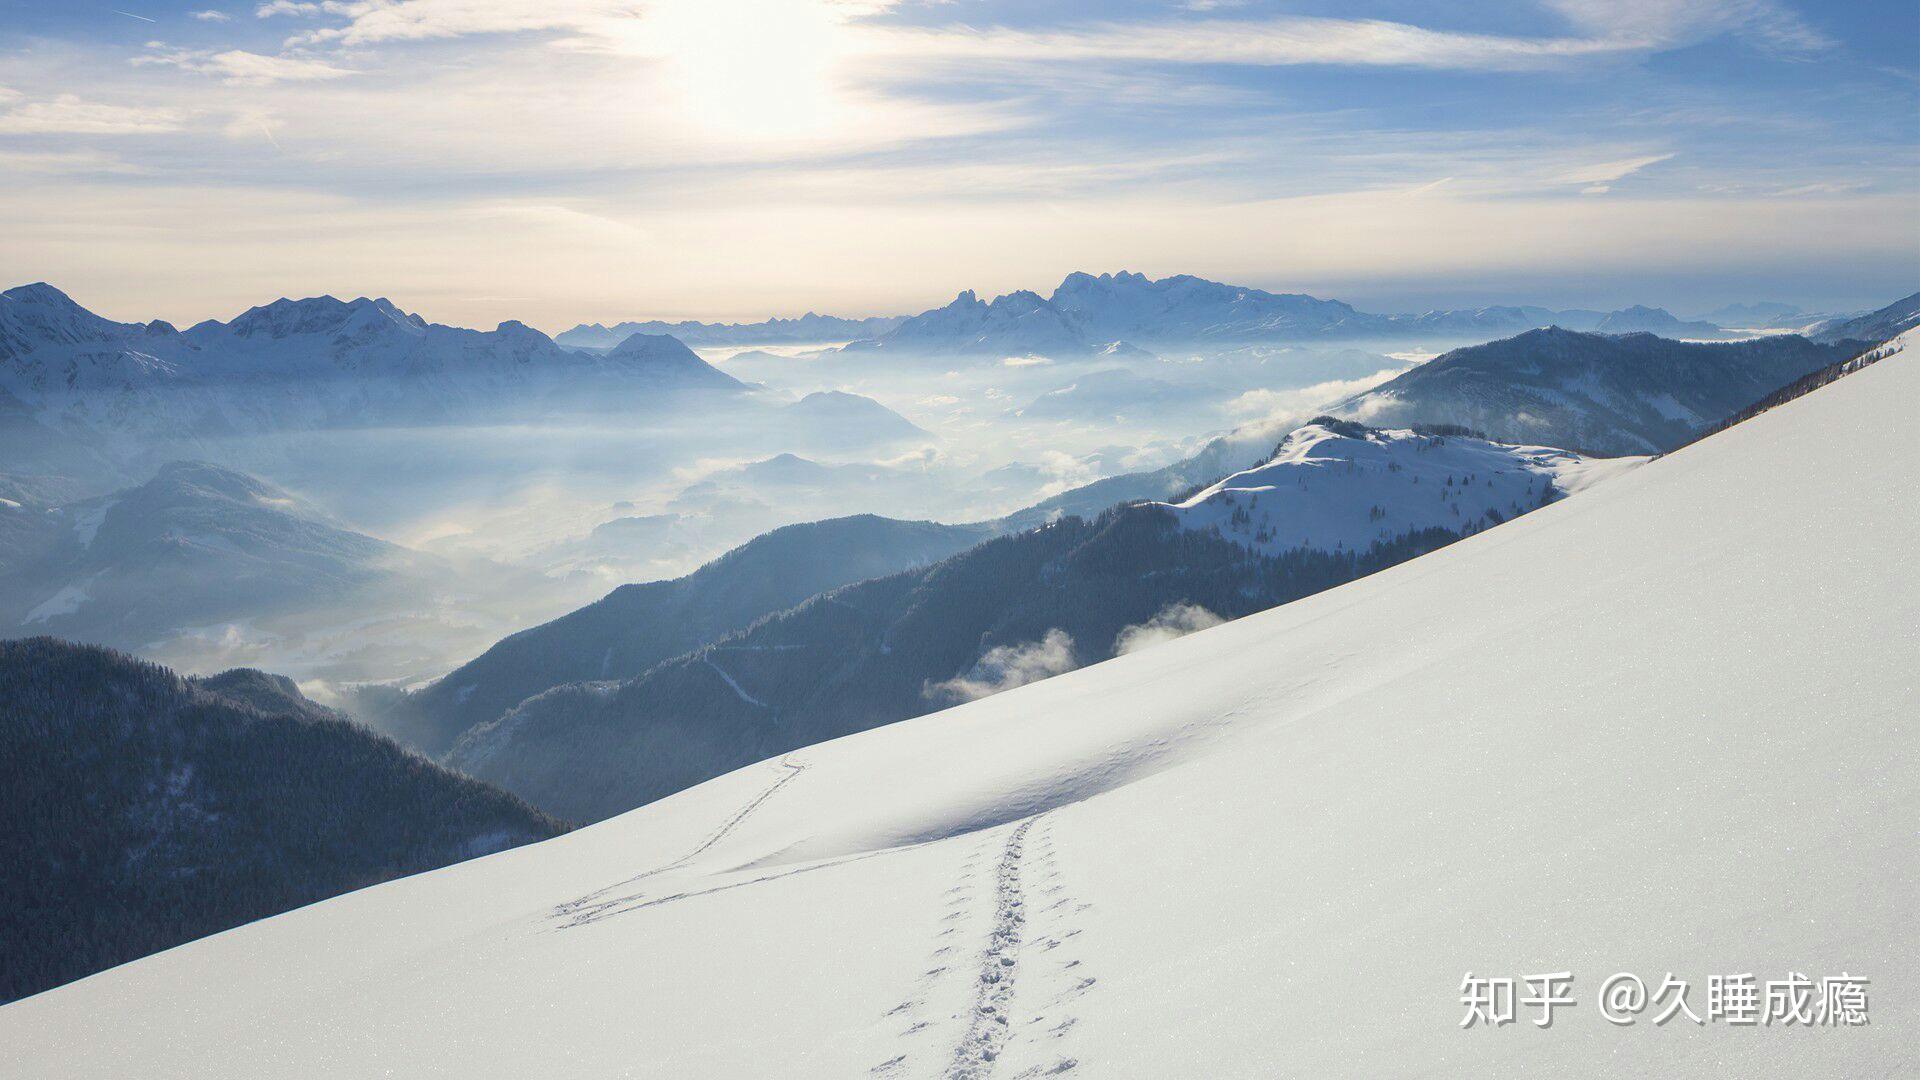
point(1088, 312)
point(1639, 319)
point(1875, 326)
point(808, 329)
point(195, 544)
point(140, 810)
point(890, 648)
point(1599, 393)
point(636, 626)
point(69, 378)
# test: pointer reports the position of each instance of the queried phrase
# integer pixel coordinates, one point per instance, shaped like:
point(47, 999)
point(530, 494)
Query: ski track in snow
point(1016, 970)
point(987, 1028)
point(590, 908)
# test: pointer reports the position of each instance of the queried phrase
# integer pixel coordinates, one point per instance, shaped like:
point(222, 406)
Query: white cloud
point(1284, 40)
point(63, 162)
point(1610, 27)
point(1596, 189)
point(1173, 621)
point(372, 21)
point(71, 115)
point(1823, 187)
point(1007, 666)
point(1291, 406)
point(210, 15)
point(1606, 172)
point(1664, 23)
point(241, 68)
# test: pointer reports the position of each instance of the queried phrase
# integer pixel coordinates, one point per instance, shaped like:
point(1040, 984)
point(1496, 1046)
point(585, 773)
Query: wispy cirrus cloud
point(1662, 23)
point(69, 114)
point(777, 152)
point(370, 22)
point(1606, 172)
point(1602, 28)
point(241, 68)
point(1282, 41)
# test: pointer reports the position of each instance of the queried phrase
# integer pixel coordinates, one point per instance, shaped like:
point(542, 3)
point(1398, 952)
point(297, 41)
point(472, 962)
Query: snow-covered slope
point(1337, 485)
point(1665, 726)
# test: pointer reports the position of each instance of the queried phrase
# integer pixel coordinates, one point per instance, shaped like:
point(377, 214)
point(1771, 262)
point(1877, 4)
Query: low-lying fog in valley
point(348, 493)
point(548, 514)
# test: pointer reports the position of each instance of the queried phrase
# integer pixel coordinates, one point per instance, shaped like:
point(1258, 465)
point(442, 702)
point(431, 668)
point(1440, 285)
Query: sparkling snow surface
point(1666, 725)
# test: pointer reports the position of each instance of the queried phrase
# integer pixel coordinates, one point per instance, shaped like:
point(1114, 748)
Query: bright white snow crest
point(1664, 726)
point(1340, 486)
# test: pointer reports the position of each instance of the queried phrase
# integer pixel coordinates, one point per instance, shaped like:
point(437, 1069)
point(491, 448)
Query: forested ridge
point(140, 809)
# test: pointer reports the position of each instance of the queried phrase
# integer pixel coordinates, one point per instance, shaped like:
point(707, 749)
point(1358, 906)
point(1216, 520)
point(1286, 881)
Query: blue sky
point(595, 159)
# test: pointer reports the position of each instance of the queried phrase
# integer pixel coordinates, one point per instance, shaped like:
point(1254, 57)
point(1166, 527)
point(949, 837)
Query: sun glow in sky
point(564, 160)
point(747, 68)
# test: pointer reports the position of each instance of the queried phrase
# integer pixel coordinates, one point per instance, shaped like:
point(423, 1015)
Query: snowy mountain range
point(69, 377)
point(1136, 867)
point(1087, 314)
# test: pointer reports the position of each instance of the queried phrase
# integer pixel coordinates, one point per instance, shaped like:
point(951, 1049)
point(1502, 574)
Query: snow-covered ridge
point(1336, 485)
